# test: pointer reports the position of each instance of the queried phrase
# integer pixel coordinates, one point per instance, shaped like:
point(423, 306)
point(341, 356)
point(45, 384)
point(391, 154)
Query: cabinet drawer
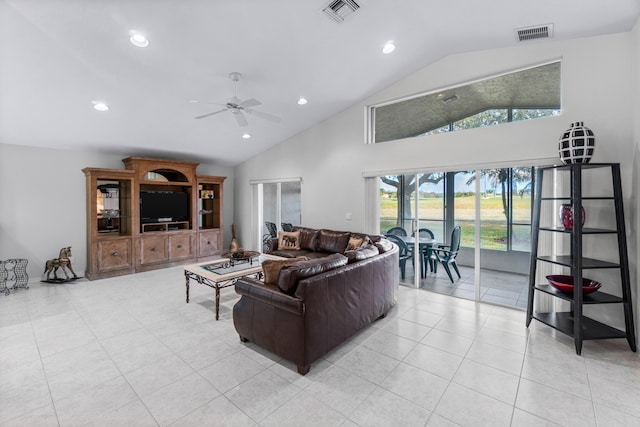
point(181, 246)
point(153, 249)
point(208, 243)
point(114, 254)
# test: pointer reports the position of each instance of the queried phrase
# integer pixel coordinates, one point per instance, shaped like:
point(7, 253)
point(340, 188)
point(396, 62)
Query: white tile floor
point(128, 351)
point(497, 287)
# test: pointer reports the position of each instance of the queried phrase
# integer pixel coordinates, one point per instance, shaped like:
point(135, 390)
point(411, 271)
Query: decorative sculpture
point(63, 262)
point(233, 247)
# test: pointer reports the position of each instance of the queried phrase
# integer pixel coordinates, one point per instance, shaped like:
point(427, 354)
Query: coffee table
point(222, 273)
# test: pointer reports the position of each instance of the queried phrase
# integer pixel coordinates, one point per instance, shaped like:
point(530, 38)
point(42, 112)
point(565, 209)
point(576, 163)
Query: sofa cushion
point(333, 241)
point(288, 240)
point(384, 245)
point(363, 252)
point(308, 238)
point(293, 273)
point(271, 268)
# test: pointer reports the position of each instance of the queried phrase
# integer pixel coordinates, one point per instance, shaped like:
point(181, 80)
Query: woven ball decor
point(577, 144)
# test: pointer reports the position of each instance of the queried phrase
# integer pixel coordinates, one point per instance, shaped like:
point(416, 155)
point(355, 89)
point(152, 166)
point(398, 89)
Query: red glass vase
point(566, 216)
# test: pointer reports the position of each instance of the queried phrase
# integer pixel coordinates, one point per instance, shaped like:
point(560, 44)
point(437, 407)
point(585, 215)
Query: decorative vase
point(566, 216)
point(577, 144)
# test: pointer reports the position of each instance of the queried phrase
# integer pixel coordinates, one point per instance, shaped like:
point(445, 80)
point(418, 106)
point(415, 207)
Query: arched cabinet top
point(159, 171)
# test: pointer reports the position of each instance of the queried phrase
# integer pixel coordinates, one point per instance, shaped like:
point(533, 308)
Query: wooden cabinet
point(210, 194)
point(209, 243)
point(155, 213)
point(114, 255)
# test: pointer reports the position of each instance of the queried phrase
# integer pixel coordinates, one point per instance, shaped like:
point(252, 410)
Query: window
point(522, 95)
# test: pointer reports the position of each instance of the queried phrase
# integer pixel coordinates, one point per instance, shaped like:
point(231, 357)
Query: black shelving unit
point(573, 322)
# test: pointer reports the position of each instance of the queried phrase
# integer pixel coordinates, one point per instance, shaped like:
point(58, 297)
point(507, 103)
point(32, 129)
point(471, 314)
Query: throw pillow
point(271, 268)
point(354, 243)
point(288, 240)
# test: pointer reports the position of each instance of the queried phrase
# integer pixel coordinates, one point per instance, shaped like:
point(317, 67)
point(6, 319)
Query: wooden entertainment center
point(121, 241)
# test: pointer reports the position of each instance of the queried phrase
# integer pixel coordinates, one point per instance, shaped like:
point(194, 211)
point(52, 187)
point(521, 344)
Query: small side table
point(14, 272)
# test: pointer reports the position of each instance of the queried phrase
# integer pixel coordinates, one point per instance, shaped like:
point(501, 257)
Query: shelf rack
point(574, 323)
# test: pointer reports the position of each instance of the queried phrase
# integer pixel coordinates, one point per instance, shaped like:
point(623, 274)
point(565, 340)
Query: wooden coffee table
point(223, 273)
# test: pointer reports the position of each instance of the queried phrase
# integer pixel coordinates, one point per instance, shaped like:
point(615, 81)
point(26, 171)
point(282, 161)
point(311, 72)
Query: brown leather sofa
point(319, 303)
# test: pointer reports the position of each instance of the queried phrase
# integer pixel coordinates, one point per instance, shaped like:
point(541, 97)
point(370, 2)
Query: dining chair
point(396, 231)
point(426, 250)
point(404, 254)
point(446, 254)
point(287, 226)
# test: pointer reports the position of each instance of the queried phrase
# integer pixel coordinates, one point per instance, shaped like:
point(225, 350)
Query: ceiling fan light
point(246, 136)
point(302, 100)
point(139, 40)
point(389, 47)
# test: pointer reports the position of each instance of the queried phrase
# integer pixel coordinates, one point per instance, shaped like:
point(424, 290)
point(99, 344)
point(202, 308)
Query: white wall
point(634, 220)
point(331, 157)
point(42, 202)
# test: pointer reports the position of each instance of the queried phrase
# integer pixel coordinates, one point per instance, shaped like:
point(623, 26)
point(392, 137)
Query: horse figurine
point(63, 262)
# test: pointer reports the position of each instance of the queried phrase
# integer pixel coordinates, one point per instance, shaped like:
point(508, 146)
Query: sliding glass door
point(278, 204)
point(492, 207)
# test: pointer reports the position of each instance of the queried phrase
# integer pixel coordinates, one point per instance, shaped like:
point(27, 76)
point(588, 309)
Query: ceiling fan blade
point(249, 103)
point(240, 118)
point(210, 114)
point(263, 115)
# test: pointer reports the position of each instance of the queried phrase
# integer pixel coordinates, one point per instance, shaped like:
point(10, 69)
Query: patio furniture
point(446, 254)
point(404, 253)
point(425, 250)
point(396, 231)
point(287, 226)
point(273, 233)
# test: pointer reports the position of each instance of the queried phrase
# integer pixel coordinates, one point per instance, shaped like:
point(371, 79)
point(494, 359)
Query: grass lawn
point(493, 231)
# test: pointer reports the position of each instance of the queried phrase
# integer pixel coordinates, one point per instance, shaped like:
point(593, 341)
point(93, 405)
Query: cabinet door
point(114, 254)
point(181, 246)
point(208, 243)
point(153, 249)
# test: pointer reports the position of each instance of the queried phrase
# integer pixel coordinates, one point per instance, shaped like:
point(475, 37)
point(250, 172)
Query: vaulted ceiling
point(59, 57)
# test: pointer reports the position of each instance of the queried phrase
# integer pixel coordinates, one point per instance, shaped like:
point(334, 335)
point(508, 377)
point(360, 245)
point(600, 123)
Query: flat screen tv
point(163, 206)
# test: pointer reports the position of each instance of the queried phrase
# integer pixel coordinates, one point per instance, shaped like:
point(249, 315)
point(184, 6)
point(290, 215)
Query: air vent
point(537, 32)
point(337, 10)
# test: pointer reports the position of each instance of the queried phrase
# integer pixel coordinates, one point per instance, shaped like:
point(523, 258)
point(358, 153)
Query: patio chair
point(426, 251)
point(404, 253)
point(446, 254)
point(272, 233)
point(287, 226)
point(396, 231)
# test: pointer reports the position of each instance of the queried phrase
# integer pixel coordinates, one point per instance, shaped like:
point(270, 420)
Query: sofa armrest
point(256, 290)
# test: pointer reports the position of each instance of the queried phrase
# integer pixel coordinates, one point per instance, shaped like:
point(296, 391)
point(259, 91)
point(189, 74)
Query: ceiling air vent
point(537, 32)
point(338, 9)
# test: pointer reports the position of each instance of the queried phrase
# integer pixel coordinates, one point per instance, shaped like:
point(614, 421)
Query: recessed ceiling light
point(100, 106)
point(138, 39)
point(389, 47)
point(302, 100)
point(246, 136)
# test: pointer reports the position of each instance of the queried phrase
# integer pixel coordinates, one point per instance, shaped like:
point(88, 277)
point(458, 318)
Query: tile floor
point(497, 287)
point(128, 351)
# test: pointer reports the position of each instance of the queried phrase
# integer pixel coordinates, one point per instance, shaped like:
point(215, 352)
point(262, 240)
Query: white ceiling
point(57, 56)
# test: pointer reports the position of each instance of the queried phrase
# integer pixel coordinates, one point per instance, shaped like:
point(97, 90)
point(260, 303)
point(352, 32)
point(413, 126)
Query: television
point(163, 206)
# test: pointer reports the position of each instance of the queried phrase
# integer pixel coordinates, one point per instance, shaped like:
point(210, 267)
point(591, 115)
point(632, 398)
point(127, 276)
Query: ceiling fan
point(238, 107)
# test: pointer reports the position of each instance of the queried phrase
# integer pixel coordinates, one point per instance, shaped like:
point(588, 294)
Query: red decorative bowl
point(565, 284)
